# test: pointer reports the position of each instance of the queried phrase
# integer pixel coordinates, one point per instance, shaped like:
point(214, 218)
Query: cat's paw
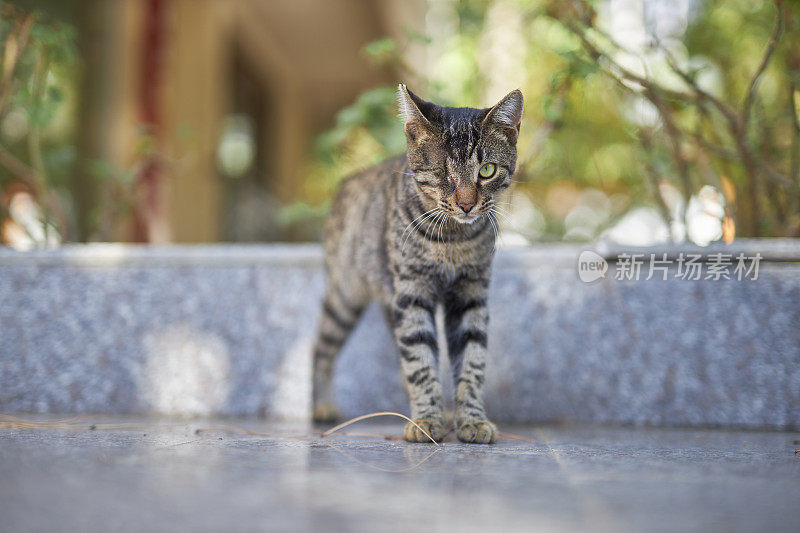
point(325, 413)
point(434, 428)
point(477, 432)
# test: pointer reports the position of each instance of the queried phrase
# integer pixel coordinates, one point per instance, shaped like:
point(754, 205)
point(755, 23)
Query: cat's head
point(461, 157)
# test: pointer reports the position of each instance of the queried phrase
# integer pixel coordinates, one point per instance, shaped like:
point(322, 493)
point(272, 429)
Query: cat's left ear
point(506, 115)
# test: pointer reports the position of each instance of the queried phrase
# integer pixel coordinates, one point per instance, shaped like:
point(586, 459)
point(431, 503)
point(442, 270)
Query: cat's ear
point(506, 115)
point(419, 116)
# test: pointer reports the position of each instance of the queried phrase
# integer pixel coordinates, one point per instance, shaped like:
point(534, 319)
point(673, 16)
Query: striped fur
point(415, 233)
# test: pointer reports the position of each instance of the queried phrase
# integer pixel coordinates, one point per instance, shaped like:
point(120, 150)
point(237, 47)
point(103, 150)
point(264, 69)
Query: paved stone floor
point(137, 475)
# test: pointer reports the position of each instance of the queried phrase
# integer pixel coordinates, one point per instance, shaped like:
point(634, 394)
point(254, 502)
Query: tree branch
point(674, 135)
point(653, 179)
point(15, 44)
point(794, 164)
point(769, 50)
point(756, 166)
point(595, 52)
point(17, 167)
point(727, 111)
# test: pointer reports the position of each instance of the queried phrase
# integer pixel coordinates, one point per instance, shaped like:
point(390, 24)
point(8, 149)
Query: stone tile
point(150, 474)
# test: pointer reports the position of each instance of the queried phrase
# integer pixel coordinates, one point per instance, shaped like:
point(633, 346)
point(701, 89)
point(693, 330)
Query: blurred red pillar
point(150, 217)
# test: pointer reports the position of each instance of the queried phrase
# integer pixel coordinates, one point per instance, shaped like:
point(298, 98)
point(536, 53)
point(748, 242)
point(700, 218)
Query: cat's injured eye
point(487, 170)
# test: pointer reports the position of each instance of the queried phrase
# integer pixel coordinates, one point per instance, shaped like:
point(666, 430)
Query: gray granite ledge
point(228, 330)
point(770, 249)
point(120, 254)
point(311, 254)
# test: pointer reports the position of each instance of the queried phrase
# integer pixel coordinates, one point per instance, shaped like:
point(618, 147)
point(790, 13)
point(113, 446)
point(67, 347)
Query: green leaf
point(417, 37)
point(55, 94)
point(101, 170)
point(381, 51)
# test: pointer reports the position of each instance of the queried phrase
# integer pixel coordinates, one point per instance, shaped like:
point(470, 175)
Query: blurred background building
point(210, 120)
point(235, 92)
point(212, 104)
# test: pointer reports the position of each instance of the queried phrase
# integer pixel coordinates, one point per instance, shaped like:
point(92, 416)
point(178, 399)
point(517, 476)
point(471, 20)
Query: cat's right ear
point(418, 116)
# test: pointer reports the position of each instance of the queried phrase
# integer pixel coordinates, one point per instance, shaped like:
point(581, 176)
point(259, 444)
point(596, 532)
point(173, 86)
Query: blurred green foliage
point(39, 85)
point(593, 139)
point(629, 104)
point(39, 58)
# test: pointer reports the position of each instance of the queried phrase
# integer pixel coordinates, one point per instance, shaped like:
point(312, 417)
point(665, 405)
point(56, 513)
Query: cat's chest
point(451, 257)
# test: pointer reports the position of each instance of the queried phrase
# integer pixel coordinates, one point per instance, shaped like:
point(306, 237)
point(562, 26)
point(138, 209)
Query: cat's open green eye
point(487, 170)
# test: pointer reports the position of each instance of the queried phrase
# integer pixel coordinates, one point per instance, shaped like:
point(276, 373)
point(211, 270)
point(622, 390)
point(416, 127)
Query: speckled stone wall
point(229, 329)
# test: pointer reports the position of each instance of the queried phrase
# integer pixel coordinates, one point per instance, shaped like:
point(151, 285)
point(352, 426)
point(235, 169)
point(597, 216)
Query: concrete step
point(228, 330)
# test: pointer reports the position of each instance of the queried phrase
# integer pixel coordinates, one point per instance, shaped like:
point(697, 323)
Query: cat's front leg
point(412, 316)
point(466, 324)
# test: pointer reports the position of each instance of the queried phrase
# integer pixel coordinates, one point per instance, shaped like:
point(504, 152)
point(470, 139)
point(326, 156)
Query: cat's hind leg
point(340, 313)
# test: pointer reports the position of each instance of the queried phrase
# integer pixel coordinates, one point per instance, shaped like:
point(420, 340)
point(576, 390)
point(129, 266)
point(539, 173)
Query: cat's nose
point(466, 206)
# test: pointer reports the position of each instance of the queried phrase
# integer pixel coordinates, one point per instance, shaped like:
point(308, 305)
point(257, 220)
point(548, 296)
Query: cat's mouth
point(466, 218)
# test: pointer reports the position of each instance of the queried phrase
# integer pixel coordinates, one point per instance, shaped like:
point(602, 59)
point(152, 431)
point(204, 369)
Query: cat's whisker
point(506, 219)
point(410, 224)
point(411, 231)
point(404, 173)
point(496, 231)
point(433, 224)
point(502, 209)
point(426, 216)
point(503, 214)
point(451, 255)
point(499, 233)
point(448, 248)
point(440, 223)
point(437, 232)
point(430, 221)
point(420, 216)
point(420, 221)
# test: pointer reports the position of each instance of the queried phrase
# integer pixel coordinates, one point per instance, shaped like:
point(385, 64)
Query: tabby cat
point(415, 232)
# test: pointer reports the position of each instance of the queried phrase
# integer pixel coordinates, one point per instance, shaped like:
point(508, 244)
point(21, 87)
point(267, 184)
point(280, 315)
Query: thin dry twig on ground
point(12, 422)
point(373, 415)
point(516, 437)
point(240, 430)
point(233, 429)
point(376, 435)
